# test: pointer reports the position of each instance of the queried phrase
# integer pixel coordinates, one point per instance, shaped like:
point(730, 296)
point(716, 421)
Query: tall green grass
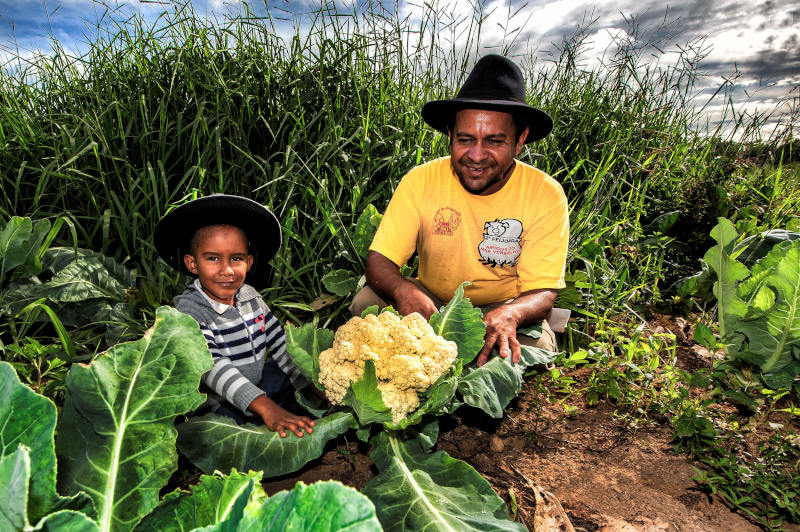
point(326, 122)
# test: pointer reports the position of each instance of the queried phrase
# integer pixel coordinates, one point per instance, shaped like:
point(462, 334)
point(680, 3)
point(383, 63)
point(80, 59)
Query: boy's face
point(220, 259)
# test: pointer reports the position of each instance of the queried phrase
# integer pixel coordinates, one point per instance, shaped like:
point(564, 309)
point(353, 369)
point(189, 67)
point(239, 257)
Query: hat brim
point(174, 231)
point(439, 114)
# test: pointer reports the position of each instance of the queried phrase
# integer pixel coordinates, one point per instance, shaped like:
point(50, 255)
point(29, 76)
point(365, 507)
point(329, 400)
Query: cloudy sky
point(755, 42)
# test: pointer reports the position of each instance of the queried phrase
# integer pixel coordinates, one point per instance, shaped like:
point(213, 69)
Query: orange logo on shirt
point(446, 221)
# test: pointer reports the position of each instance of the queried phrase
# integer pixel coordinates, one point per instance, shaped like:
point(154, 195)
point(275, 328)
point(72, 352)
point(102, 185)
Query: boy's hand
point(279, 420)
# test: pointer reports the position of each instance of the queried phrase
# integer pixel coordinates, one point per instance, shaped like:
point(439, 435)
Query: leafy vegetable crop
point(759, 308)
point(116, 449)
point(417, 488)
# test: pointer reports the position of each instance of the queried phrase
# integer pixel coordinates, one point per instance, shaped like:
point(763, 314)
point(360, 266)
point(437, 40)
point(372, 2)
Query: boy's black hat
point(495, 84)
point(175, 230)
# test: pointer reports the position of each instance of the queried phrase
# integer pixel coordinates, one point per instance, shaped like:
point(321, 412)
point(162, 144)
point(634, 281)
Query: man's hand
point(279, 420)
point(501, 323)
point(384, 278)
point(409, 298)
point(501, 331)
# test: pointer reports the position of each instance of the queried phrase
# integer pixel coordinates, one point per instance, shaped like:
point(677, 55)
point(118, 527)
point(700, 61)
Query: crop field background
point(321, 126)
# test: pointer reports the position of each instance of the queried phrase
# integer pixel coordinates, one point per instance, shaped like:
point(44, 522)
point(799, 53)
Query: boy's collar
point(245, 293)
point(218, 307)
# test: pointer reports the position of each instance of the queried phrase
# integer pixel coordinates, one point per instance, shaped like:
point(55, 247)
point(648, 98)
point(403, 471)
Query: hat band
point(489, 95)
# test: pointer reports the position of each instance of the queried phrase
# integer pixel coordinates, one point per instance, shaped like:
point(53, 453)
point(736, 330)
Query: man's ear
point(521, 139)
point(190, 263)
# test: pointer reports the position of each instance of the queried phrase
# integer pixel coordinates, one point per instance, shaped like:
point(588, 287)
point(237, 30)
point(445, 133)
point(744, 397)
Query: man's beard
point(494, 179)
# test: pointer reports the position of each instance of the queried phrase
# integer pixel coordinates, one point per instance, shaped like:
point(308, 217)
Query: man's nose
point(477, 151)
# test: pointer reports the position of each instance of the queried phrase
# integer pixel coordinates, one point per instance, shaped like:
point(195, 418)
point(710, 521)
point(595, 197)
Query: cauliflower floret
point(388, 318)
point(403, 340)
point(404, 371)
point(336, 375)
point(402, 401)
point(438, 354)
point(408, 358)
point(417, 325)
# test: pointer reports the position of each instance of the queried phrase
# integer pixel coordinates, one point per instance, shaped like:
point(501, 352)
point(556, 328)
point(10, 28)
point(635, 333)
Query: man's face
point(482, 149)
point(220, 260)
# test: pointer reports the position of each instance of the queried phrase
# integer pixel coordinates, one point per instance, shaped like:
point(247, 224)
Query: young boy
point(224, 240)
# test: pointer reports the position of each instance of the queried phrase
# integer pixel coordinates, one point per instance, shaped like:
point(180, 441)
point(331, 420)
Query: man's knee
point(366, 297)
point(546, 341)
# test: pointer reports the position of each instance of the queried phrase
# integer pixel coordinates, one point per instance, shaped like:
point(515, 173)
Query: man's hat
point(175, 230)
point(495, 84)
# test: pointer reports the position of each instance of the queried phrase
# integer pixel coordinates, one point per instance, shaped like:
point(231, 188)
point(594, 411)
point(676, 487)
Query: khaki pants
point(366, 297)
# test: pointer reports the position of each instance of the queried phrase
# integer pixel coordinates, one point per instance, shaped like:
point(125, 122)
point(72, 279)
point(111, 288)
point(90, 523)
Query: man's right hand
point(409, 298)
point(384, 278)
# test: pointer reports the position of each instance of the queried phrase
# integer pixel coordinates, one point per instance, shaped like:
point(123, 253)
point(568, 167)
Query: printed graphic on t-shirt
point(446, 221)
point(501, 242)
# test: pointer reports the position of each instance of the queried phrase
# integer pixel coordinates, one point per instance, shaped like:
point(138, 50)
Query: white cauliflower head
point(408, 358)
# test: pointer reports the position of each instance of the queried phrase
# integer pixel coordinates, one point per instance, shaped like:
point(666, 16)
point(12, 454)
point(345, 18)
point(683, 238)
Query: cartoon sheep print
point(500, 246)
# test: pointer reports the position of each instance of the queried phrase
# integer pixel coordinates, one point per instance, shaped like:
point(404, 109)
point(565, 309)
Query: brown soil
point(607, 475)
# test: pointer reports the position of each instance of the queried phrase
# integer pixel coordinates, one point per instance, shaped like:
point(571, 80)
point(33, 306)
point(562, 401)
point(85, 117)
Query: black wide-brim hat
point(175, 230)
point(495, 84)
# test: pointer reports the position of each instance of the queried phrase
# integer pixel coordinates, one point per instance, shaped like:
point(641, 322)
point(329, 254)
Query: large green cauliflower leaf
point(461, 323)
point(418, 490)
point(121, 408)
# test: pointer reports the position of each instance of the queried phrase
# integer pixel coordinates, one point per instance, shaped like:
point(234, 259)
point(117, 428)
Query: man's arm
point(502, 322)
point(383, 276)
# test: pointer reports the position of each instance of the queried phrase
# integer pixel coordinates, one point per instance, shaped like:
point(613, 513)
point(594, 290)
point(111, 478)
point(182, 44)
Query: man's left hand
point(501, 332)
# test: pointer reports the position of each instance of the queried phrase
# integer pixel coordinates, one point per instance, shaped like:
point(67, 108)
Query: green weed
point(765, 487)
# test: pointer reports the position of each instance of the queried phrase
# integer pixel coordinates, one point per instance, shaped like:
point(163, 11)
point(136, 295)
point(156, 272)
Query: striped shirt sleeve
point(226, 380)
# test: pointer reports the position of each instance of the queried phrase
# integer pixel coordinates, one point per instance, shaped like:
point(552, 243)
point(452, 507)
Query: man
point(478, 215)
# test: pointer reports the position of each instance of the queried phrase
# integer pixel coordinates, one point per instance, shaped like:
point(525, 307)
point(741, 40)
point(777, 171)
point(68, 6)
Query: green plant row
point(116, 451)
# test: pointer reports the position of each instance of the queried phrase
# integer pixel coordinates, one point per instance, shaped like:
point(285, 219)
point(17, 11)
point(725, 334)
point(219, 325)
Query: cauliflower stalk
point(407, 354)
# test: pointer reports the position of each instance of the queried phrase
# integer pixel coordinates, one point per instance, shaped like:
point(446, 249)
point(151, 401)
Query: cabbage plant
point(759, 307)
point(417, 488)
point(116, 452)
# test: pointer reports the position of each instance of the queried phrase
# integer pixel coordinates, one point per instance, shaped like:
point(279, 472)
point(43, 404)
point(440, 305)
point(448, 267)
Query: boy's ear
point(191, 263)
point(249, 262)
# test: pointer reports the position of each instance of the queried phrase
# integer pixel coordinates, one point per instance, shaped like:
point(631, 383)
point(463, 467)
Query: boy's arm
point(226, 380)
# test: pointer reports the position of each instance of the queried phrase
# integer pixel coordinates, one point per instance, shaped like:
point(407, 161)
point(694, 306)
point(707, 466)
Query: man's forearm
point(532, 306)
point(383, 275)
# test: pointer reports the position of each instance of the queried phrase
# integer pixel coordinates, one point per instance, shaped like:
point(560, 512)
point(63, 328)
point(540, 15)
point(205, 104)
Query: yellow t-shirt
point(506, 243)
